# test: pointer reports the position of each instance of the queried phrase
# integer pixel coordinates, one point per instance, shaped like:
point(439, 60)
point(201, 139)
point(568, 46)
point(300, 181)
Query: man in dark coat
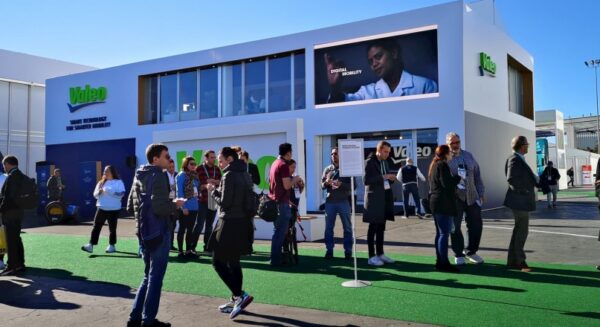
point(12, 216)
point(55, 186)
point(520, 197)
point(379, 201)
point(232, 237)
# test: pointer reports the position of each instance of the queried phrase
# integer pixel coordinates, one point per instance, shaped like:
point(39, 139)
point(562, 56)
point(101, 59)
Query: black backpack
point(28, 196)
point(267, 208)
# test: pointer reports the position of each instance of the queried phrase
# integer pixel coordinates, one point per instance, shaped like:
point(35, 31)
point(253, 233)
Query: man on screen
point(385, 61)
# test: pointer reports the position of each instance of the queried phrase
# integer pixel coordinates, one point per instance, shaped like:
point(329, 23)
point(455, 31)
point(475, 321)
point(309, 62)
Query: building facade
point(408, 78)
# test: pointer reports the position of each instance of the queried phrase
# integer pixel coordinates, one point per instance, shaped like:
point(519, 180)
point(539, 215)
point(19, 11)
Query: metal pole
point(597, 113)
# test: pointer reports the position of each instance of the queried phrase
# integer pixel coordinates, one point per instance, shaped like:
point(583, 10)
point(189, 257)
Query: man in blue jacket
point(149, 202)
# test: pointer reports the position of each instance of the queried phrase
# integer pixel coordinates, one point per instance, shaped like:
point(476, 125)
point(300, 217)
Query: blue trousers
point(331, 212)
point(147, 299)
point(443, 228)
point(280, 228)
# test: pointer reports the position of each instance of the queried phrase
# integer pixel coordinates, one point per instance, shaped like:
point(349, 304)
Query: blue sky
point(559, 34)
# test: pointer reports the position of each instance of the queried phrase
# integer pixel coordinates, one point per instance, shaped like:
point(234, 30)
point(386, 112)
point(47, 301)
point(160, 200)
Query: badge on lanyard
point(386, 185)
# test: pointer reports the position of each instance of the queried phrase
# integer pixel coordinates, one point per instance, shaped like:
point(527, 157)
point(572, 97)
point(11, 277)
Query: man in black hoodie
point(149, 202)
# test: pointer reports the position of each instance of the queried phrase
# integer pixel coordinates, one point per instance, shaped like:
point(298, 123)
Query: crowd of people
point(225, 183)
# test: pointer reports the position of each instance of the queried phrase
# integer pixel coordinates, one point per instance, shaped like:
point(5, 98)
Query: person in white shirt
point(385, 60)
point(172, 175)
point(2, 180)
point(109, 192)
point(408, 175)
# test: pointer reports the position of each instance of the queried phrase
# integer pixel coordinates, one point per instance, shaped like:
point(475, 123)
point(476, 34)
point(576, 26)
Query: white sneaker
point(404, 217)
point(111, 249)
point(474, 258)
point(88, 248)
point(2, 266)
point(386, 259)
point(375, 261)
point(459, 261)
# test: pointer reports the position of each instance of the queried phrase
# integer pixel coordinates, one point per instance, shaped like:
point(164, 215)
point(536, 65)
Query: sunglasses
point(454, 143)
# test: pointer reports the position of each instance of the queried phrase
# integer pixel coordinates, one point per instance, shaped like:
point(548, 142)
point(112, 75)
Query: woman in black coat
point(379, 202)
point(442, 199)
point(232, 237)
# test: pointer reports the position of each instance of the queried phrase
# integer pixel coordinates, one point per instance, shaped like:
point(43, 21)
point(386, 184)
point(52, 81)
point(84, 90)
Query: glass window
point(232, 90)
point(515, 91)
point(254, 86)
point(168, 98)
point(280, 83)
point(148, 113)
point(209, 93)
point(188, 88)
point(299, 82)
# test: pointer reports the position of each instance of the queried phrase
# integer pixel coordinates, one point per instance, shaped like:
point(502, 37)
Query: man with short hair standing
point(12, 216)
point(520, 197)
point(55, 186)
point(280, 184)
point(209, 174)
point(409, 176)
point(149, 202)
point(338, 190)
point(470, 195)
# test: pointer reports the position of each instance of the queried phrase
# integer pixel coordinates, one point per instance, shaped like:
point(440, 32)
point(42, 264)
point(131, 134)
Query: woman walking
point(108, 193)
point(232, 238)
point(187, 187)
point(442, 192)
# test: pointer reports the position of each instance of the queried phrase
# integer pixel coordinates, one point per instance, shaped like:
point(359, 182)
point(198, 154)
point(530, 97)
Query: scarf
point(188, 184)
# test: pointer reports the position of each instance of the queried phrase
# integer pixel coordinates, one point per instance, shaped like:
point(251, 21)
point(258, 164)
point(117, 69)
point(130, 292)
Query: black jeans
point(12, 224)
point(231, 274)
point(101, 217)
point(414, 190)
point(205, 221)
point(173, 224)
point(186, 225)
point(375, 238)
point(472, 215)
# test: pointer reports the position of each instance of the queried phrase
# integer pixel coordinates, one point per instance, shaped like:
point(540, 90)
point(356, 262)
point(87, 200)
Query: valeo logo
point(486, 64)
point(82, 97)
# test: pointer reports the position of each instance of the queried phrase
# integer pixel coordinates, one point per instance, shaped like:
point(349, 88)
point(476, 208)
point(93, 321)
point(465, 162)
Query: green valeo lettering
point(87, 94)
point(486, 63)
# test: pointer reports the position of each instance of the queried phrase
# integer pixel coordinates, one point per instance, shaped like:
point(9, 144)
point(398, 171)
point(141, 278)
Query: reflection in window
point(209, 93)
point(254, 87)
point(299, 82)
point(232, 90)
point(168, 98)
point(187, 95)
point(280, 78)
point(149, 113)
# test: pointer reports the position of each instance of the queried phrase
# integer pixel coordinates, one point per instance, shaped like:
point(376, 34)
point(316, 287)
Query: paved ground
point(566, 234)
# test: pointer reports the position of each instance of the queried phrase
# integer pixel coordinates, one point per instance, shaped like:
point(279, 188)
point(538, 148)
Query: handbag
point(3, 244)
point(268, 209)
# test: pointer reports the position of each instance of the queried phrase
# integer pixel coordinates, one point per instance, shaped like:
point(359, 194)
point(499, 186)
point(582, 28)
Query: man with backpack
point(149, 202)
point(12, 215)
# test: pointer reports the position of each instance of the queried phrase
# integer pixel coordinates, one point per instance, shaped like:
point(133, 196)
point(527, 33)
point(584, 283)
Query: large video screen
point(387, 67)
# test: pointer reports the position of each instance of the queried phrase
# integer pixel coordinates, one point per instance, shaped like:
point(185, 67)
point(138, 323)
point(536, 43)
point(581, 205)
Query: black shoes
point(12, 271)
point(446, 268)
point(157, 323)
point(348, 256)
point(328, 256)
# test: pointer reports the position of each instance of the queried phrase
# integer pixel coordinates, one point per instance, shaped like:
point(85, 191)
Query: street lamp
point(594, 64)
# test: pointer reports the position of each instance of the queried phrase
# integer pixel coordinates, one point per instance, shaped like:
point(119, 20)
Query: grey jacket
point(341, 193)
point(521, 184)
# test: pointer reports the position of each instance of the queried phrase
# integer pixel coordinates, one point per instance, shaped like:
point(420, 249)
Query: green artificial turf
point(488, 295)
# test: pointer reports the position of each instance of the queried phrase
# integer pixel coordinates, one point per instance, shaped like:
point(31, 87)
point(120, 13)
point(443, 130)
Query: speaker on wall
point(131, 162)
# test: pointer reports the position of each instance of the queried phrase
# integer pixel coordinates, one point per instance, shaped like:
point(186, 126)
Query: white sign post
point(352, 164)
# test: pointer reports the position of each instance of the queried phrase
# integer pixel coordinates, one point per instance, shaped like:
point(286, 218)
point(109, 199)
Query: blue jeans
point(331, 211)
point(280, 229)
point(147, 299)
point(443, 228)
